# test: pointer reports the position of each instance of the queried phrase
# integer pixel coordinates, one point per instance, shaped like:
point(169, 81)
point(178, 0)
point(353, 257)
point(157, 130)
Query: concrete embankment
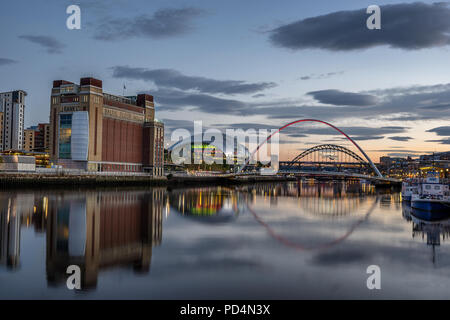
point(10, 180)
point(72, 180)
point(36, 180)
point(224, 180)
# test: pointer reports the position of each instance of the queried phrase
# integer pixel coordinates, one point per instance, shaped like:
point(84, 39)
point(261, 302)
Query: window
point(65, 136)
point(67, 89)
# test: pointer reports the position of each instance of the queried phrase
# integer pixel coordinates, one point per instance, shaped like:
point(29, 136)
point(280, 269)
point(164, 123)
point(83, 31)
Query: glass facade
point(65, 136)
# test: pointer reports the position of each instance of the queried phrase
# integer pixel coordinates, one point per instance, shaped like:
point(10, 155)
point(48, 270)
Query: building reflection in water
point(91, 229)
point(424, 226)
point(10, 232)
point(219, 205)
point(97, 230)
point(17, 210)
point(319, 199)
point(224, 204)
point(209, 205)
point(100, 229)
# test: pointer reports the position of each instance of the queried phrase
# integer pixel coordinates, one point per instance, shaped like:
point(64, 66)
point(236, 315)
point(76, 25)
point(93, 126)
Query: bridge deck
point(339, 174)
point(331, 175)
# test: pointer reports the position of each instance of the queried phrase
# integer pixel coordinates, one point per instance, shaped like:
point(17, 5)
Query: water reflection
point(17, 210)
point(323, 200)
point(98, 229)
point(429, 226)
point(91, 229)
point(208, 205)
point(283, 230)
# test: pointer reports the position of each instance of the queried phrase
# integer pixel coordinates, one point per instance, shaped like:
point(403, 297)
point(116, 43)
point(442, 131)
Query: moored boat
point(409, 186)
point(430, 215)
point(431, 195)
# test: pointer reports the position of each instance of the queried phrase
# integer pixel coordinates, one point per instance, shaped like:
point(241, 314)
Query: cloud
point(361, 138)
point(402, 154)
point(441, 141)
point(164, 23)
point(98, 5)
point(174, 100)
point(170, 78)
point(356, 132)
point(171, 124)
point(52, 45)
point(438, 107)
point(399, 150)
point(6, 61)
point(314, 76)
point(393, 104)
point(175, 124)
point(338, 98)
point(398, 138)
point(441, 131)
point(408, 26)
point(246, 126)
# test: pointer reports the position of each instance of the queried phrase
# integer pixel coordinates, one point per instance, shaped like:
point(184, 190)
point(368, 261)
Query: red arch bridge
point(328, 161)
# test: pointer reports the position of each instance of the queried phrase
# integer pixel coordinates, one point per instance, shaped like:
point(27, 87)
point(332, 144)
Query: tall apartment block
point(1, 127)
point(97, 131)
point(12, 107)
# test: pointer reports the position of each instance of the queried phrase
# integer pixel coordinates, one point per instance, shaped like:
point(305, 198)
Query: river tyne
point(304, 240)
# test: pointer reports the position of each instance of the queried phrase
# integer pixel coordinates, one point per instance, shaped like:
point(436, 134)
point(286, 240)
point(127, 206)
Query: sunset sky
point(249, 64)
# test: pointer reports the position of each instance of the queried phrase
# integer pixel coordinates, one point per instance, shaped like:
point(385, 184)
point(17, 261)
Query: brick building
point(29, 138)
point(37, 138)
point(97, 131)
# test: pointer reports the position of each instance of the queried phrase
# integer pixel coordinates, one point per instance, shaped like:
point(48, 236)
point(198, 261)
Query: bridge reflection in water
point(318, 199)
point(224, 204)
point(103, 229)
point(321, 200)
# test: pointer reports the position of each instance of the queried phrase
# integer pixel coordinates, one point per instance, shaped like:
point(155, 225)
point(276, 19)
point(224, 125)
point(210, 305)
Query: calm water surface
point(268, 241)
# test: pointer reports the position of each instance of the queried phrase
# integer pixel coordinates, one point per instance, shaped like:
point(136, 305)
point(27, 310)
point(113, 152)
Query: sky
point(248, 64)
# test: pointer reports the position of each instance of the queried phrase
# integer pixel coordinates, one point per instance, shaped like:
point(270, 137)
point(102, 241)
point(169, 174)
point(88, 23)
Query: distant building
point(1, 127)
point(439, 156)
point(154, 150)
point(413, 167)
point(37, 138)
point(29, 138)
point(12, 105)
point(385, 161)
point(17, 163)
point(97, 131)
point(43, 141)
